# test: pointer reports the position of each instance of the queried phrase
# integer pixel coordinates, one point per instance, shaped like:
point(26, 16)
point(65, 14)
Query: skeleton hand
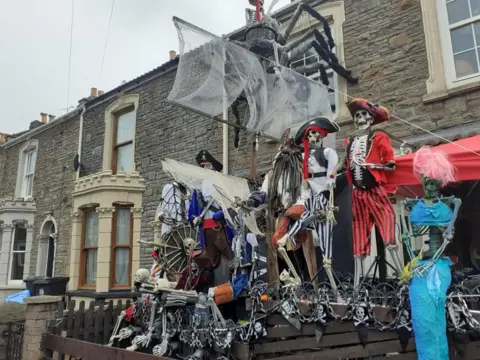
point(283, 241)
point(197, 221)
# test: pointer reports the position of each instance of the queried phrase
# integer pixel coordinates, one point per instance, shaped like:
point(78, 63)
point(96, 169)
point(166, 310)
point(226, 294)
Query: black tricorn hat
point(204, 156)
point(319, 122)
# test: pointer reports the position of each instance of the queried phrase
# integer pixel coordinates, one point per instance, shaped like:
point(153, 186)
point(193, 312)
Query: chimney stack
point(2, 138)
point(44, 117)
point(173, 54)
point(93, 92)
point(50, 118)
point(101, 92)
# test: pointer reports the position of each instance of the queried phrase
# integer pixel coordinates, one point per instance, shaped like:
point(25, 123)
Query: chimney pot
point(173, 54)
point(101, 92)
point(93, 92)
point(51, 117)
point(44, 117)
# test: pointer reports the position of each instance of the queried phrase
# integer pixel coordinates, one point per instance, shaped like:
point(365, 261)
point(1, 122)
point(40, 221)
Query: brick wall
point(53, 184)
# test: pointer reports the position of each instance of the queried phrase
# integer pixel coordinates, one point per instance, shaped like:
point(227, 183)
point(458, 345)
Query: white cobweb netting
point(213, 72)
point(225, 187)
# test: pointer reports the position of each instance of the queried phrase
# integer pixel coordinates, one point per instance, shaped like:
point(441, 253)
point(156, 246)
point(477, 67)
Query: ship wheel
point(173, 249)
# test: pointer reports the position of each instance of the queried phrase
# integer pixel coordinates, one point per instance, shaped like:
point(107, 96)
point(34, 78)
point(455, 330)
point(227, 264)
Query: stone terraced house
point(417, 57)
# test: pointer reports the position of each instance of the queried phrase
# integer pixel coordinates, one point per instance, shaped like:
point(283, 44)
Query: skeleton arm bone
point(448, 234)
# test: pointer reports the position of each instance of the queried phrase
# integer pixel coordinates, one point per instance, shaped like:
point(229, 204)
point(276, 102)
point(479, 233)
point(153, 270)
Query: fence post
point(41, 310)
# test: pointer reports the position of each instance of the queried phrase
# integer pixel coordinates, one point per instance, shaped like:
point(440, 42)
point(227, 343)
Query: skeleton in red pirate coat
point(368, 154)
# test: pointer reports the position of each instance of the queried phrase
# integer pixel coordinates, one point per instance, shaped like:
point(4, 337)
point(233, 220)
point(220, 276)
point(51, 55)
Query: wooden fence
point(82, 333)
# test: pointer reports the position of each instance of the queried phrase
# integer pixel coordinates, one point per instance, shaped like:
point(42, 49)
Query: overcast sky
point(35, 43)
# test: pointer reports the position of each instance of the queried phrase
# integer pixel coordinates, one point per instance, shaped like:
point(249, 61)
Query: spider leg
point(295, 46)
point(312, 68)
point(339, 69)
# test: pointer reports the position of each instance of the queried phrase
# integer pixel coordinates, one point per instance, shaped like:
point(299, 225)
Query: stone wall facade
point(53, 183)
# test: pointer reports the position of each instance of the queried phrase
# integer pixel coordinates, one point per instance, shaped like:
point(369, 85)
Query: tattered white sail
point(213, 71)
point(228, 186)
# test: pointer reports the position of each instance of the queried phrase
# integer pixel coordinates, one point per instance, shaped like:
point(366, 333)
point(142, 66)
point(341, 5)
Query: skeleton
point(320, 164)
point(365, 115)
point(124, 333)
point(143, 340)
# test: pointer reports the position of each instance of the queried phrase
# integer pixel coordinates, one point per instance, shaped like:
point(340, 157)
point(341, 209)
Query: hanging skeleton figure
point(264, 37)
point(284, 196)
point(204, 212)
point(368, 155)
point(319, 170)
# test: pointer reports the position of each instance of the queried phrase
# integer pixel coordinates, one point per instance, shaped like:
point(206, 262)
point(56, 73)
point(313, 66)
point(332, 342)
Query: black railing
point(14, 340)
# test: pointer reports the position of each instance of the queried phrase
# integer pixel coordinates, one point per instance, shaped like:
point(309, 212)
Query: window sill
point(13, 287)
point(454, 91)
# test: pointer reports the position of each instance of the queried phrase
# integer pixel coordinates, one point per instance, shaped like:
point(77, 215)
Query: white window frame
point(28, 176)
point(332, 75)
point(10, 281)
point(336, 11)
point(30, 147)
point(438, 42)
point(447, 49)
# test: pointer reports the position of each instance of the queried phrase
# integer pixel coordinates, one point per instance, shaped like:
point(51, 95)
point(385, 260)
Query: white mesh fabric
point(213, 72)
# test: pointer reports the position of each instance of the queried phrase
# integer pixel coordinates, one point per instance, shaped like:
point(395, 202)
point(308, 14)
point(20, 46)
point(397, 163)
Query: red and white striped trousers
point(371, 206)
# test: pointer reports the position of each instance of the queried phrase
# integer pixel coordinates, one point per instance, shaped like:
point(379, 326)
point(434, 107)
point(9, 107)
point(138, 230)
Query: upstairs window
point(28, 173)
point(124, 132)
point(26, 170)
point(459, 24)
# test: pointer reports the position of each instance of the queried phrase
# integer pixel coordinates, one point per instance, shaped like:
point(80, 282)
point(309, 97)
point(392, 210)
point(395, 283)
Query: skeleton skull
point(189, 244)
point(363, 120)
point(207, 165)
point(142, 275)
point(314, 138)
point(320, 311)
point(258, 327)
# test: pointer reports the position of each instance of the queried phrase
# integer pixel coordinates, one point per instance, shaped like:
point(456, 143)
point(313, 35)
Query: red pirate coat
point(379, 151)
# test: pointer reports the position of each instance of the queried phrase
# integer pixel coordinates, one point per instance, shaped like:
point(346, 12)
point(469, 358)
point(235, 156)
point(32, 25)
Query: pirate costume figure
point(319, 170)
point(284, 196)
point(214, 233)
point(368, 155)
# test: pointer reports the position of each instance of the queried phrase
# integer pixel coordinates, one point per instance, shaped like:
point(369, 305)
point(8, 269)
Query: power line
point(70, 54)
point(106, 41)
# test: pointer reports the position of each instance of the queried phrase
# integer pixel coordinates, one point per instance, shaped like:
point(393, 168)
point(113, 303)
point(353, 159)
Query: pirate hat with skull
point(311, 134)
point(206, 160)
point(362, 109)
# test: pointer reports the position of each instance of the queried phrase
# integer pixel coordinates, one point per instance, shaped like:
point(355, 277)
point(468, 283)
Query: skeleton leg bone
point(283, 253)
point(358, 270)
point(396, 258)
point(116, 328)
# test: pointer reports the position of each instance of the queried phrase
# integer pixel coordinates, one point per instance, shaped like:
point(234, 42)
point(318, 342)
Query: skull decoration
point(142, 275)
point(188, 244)
point(363, 120)
point(360, 316)
point(314, 139)
point(404, 317)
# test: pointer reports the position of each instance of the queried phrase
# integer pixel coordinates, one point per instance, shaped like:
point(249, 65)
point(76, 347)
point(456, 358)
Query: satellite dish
point(76, 162)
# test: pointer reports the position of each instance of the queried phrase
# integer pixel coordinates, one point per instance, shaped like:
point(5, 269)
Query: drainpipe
point(80, 136)
point(225, 133)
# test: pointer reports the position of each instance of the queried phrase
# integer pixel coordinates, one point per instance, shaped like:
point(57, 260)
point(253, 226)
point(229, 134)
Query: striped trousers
point(371, 206)
point(308, 220)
